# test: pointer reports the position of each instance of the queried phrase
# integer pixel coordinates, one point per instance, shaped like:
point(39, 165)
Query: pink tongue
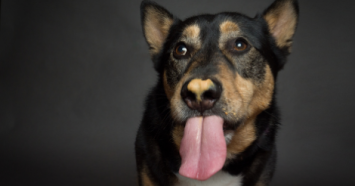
point(203, 148)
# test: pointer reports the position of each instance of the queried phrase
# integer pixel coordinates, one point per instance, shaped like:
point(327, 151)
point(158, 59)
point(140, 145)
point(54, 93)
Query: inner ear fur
point(282, 18)
point(156, 22)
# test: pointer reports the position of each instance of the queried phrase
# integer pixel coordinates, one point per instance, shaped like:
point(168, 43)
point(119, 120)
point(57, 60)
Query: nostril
point(210, 95)
point(207, 103)
point(190, 99)
point(213, 93)
point(191, 96)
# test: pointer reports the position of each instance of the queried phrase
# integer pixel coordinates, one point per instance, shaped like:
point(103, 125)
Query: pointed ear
point(156, 22)
point(282, 17)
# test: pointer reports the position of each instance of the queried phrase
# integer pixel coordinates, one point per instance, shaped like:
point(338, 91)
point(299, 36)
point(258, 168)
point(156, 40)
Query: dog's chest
point(221, 178)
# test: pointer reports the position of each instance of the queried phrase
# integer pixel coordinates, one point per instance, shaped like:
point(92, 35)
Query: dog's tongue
point(203, 147)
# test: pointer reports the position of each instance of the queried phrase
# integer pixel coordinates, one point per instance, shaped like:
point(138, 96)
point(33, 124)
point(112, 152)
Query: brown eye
point(240, 45)
point(180, 50)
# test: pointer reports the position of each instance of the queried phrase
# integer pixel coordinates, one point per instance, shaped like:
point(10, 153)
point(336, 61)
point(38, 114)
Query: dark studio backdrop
point(74, 74)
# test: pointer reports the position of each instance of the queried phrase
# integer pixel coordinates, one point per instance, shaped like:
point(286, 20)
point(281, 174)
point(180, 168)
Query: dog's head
point(218, 69)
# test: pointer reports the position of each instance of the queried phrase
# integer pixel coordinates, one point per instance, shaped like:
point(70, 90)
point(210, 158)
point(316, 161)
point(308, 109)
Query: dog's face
point(220, 53)
point(221, 65)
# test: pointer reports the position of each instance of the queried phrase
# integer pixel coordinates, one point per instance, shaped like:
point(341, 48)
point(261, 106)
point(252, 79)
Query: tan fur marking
point(191, 35)
point(282, 23)
point(228, 26)
point(176, 103)
point(259, 97)
point(146, 181)
point(245, 88)
point(192, 31)
point(168, 90)
point(156, 29)
point(199, 86)
point(263, 94)
point(244, 135)
point(260, 184)
point(249, 99)
point(230, 95)
point(178, 133)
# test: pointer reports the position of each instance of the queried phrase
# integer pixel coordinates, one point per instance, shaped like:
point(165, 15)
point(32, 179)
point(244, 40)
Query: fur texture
point(235, 59)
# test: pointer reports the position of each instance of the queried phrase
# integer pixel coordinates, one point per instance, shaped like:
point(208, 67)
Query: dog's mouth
point(203, 147)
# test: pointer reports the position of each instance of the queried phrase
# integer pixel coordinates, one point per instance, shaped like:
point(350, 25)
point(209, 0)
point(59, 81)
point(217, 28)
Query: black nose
point(201, 94)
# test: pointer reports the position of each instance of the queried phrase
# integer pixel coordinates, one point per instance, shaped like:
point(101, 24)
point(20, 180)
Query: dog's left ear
point(282, 17)
point(156, 23)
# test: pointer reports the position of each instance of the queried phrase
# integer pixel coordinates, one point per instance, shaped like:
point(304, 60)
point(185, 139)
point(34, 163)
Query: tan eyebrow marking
point(192, 31)
point(191, 35)
point(228, 26)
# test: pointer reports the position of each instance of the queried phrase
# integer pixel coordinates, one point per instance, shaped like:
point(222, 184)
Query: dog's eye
point(240, 45)
point(180, 50)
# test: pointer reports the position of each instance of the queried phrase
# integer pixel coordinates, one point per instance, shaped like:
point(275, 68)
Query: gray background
point(73, 76)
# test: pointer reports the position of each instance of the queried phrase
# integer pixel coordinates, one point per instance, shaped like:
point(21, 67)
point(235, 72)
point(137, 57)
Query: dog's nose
point(201, 94)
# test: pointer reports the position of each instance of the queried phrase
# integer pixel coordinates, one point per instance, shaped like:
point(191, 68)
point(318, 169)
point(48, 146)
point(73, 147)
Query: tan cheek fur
point(168, 89)
point(233, 99)
point(176, 105)
point(146, 181)
point(254, 99)
point(260, 184)
point(243, 137)
point(263, 94)
point(178, 133)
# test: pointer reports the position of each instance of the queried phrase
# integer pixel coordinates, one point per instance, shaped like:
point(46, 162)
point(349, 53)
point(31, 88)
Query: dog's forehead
point(194, 30)
point(213, 27)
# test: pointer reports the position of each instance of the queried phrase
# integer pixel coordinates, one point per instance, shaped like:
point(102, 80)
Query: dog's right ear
point(156, 23)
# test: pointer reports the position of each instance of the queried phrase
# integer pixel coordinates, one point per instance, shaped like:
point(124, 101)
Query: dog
point(212, 118)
